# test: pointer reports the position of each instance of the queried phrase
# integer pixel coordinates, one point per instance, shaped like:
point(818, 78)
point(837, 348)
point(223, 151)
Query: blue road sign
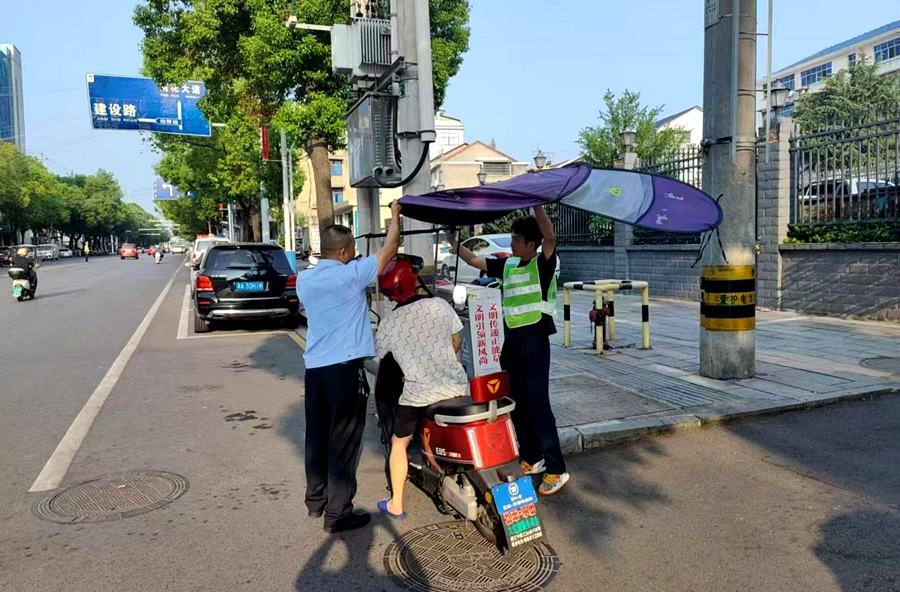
point(165, 191)
point(133, 103)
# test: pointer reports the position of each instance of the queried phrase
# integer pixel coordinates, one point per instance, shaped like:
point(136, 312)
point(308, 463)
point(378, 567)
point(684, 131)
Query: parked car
point(201, 245)
point(151, 251)
point(857, 198)
point(48, 251)
point(6, 255)
point(65, 253)
point(244, 281)
point(485, 245)
point(128, 250)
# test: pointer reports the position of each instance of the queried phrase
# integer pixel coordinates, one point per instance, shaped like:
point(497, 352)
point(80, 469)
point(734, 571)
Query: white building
point(450, 134)
point(690, 121)
point(880, 46)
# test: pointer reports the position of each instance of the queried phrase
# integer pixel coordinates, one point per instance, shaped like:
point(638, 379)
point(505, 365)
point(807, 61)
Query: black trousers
point(527, 361)
point(335, 405)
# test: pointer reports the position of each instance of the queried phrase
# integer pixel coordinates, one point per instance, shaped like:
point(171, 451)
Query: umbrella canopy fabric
point(632, 197)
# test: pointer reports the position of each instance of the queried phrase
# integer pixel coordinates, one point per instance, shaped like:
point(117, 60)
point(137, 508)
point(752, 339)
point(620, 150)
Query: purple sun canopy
point(632, 197)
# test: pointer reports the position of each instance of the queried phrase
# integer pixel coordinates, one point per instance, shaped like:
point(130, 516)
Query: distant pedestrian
point(87, 252)
point(338, 340)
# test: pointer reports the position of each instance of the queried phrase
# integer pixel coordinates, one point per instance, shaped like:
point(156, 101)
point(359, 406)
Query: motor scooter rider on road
point(424, 335)
point(22, 261)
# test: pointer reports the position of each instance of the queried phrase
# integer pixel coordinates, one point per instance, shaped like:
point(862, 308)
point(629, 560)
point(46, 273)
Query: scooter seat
point(461, 407)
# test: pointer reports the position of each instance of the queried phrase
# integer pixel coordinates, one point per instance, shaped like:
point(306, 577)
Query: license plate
point(249, 286)
point(17, 290)
point(516, 504)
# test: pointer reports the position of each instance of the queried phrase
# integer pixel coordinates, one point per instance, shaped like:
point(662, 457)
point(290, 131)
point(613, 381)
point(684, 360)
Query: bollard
point(567, 318)
point(598, 321)
point(645, 316)
point(611, 321)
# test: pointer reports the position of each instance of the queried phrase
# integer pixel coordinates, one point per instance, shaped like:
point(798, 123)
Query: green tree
point(601, 145)
point(854, 95)
point(254, 66)
point(29, 194)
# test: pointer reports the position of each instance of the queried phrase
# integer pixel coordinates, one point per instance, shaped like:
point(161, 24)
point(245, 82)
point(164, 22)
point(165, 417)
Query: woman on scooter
point(424, 335)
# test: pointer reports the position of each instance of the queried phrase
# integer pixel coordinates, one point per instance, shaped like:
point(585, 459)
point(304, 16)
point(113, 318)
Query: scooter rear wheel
point(488, 524)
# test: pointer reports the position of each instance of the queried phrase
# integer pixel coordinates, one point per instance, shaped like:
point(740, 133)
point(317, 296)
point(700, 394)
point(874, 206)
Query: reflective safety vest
point(523, 303)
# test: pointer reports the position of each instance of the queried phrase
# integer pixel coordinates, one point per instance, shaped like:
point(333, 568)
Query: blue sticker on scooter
point(516, 504)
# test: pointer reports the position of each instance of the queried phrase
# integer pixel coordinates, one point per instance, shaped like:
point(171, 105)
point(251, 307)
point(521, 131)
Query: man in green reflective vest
point(529, 305)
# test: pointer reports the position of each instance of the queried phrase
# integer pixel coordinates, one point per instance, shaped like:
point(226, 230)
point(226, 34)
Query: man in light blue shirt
point(338, 339)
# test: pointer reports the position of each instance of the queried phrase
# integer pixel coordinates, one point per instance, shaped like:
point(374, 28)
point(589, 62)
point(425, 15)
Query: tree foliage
point(852, 96)
point(31, 198)
point(601, 144)
point(259, 72)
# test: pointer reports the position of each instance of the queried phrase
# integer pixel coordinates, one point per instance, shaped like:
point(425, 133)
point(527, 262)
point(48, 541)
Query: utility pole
point(286, 212)
point(410, 25)
point(728, 280)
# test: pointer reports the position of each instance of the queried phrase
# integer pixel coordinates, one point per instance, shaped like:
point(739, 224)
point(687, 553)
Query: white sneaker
point(535, 469)
point(552, 484)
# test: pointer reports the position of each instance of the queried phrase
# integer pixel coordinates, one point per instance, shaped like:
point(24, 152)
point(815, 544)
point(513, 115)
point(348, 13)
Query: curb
point(580, 438)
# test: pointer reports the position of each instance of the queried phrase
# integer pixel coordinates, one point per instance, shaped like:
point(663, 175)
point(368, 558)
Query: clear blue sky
point(534, 76)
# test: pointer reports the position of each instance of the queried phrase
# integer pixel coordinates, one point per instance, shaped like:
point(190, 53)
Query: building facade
point(12, 99)
point(880, 46)
point(689, 121)
point(460, 167)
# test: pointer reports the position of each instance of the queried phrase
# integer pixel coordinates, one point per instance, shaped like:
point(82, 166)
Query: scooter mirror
point(459, 296)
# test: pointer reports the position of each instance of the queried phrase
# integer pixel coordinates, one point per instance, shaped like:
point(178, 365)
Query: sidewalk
point(629, 392)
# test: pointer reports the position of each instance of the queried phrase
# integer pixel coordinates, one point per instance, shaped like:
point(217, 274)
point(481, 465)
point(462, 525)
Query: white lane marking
point(183, 321)
point(236, 334)
point(58, 464)
point(787, 320)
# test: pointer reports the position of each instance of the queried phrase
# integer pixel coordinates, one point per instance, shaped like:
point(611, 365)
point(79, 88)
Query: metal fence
point(685, 165)
point(847, 172)
point(576, 228)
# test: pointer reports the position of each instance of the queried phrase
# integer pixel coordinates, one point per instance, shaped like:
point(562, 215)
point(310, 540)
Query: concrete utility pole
point(286, 192)
point(416, 108)
point(728, 283)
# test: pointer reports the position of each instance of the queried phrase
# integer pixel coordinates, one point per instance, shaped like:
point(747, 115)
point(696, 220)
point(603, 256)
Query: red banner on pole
point(264, 136)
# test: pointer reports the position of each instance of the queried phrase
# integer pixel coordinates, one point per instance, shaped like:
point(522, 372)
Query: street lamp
point(779, 96)
point(629, 139)
point(540, 160)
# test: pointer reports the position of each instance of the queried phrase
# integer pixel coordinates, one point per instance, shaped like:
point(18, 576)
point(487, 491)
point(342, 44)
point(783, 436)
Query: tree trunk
point(318, 156)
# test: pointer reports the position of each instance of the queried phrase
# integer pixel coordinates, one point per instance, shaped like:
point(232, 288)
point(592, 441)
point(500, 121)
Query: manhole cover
point(111, 497)
point(453, 556)
point(883, 364)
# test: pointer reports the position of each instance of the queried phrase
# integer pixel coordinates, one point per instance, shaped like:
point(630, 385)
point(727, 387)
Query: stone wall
point(667, 268)
point(861, 279)
point(586, 263)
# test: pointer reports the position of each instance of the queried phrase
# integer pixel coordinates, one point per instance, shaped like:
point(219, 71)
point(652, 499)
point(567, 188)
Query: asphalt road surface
point(803, 501)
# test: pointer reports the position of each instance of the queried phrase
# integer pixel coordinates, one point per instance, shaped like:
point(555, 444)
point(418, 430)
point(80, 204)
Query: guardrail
point(608, 287)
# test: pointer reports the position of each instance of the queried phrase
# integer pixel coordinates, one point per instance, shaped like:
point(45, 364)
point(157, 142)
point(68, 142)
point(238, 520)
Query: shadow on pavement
point(58, 294)
point(585, 509)
point(853, 447)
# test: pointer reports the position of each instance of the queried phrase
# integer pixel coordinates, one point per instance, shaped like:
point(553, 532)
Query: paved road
point(803, 501)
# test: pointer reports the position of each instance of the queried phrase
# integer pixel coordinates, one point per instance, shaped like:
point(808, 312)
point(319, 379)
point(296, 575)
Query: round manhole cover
point(883, 364)
point(111, 497)
point(453, 556)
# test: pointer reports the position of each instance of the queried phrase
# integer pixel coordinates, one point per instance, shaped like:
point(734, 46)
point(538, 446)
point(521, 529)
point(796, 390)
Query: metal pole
point(769, 80)
point(611, 319)
point(727, 328)
point(598, 321)
point(286, 206)
point(416, 107)
point(645, 316)
point(567, 316)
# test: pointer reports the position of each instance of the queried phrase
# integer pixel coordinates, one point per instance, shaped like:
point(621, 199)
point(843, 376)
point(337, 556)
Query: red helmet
point(400, 279)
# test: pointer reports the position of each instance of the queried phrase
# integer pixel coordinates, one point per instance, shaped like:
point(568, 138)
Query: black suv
point(245, 281)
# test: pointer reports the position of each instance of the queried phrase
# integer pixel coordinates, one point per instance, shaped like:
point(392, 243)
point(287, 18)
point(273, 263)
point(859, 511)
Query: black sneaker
point(349, 522)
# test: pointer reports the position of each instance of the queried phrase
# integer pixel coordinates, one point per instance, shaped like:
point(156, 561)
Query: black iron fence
point(576, 228)
point(847, 173)
point(685, 165)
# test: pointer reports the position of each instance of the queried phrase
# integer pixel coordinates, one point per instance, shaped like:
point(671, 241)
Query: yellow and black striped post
point(567, 316)
point(728, 298)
